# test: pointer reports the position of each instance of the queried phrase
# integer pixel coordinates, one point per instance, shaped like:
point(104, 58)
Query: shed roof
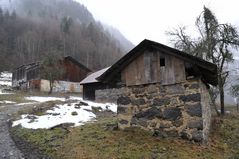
point(92, 77)
point(208, 70)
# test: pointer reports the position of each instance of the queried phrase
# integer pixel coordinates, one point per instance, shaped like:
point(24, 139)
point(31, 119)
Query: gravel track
point(8, 149)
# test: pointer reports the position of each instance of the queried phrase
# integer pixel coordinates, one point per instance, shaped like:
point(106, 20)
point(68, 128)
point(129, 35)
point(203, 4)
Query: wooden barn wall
point(151, 67)
point(173, 71)
point(133, 73)
point(146, 69)
point(73, 72)
point(33, 73)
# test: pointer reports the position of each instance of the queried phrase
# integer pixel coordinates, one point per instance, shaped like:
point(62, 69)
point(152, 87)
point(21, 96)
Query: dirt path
point(8, 149)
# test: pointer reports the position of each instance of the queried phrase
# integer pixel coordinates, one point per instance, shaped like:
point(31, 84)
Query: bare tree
point(51, 69)
point(215, 43)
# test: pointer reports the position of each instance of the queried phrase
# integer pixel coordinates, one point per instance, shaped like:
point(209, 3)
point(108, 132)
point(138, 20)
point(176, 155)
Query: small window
point(162, 61)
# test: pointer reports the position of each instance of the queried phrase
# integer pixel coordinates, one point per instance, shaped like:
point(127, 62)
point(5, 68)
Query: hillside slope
point(31, 29)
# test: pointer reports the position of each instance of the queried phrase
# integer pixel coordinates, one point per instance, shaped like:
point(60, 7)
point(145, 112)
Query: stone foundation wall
point(109, 95)
point(179, 110)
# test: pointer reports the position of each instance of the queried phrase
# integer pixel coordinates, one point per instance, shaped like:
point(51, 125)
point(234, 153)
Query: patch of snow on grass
point(4, 92)
point(6, 83)
point(59, 115)
point(76, 98)
point(76, 113)
point(19, 104)
point(6, 79)
point(7, 102)
point(104, 106)
point(44, 99)
point(6, 75)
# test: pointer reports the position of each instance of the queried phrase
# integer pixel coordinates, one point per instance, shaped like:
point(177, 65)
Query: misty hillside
point(127, 45)
point(55, 9)
point(30, 29)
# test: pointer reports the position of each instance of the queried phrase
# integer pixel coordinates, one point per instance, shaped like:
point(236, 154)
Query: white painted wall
point(61, 86)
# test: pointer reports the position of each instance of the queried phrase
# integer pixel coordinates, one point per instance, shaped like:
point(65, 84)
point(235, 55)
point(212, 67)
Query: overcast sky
point(140, 19)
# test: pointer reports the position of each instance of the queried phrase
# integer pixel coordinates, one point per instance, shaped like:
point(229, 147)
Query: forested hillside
point(30, 29)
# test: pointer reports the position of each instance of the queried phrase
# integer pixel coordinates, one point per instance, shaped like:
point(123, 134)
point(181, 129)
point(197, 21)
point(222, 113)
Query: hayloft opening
point(162, 61)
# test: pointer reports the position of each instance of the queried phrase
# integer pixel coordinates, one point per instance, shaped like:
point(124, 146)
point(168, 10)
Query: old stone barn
point(29, 77)
point(160, 89)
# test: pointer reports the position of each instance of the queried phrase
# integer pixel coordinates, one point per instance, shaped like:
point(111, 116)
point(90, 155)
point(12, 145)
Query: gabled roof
point(208, 70)
point(92, 77)
point(29, 65)
point(77, 63)
point(65, 58)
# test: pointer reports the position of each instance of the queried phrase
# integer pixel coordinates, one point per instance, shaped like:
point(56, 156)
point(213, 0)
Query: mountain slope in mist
point(34, 28)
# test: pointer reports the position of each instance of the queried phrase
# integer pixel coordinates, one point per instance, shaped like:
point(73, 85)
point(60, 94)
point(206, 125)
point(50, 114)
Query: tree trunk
point(51, 86)
point(215, 107)
point(221, 91)
point(213, 95)
point(237, 105)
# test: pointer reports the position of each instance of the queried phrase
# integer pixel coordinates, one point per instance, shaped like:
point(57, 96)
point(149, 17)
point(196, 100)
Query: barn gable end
point(29, 77)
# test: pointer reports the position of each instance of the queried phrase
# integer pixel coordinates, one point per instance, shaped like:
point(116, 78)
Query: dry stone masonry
point(178, 110)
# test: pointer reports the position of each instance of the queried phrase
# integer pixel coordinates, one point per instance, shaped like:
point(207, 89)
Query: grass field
point(98, 140)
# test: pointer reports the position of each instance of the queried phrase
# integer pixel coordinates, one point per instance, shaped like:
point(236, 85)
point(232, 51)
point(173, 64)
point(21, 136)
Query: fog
point(140, 19)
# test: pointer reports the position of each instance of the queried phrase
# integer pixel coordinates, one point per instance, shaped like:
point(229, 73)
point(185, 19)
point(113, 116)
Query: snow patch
point(4, 92)
point(6, 75)
point(59, 115)
point(6, 79)
point(47, 99)
point(67, 113)
point(6, 83)
point(20, 104)
point(44, 99)
point(104, 106)
point(7, 102)
point(76, 98)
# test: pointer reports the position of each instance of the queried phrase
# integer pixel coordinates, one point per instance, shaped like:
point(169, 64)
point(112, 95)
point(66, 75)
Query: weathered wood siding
point(73, 72)
point(133, 74)
point(146, 69)
point(173, 71)
point(152, 67)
